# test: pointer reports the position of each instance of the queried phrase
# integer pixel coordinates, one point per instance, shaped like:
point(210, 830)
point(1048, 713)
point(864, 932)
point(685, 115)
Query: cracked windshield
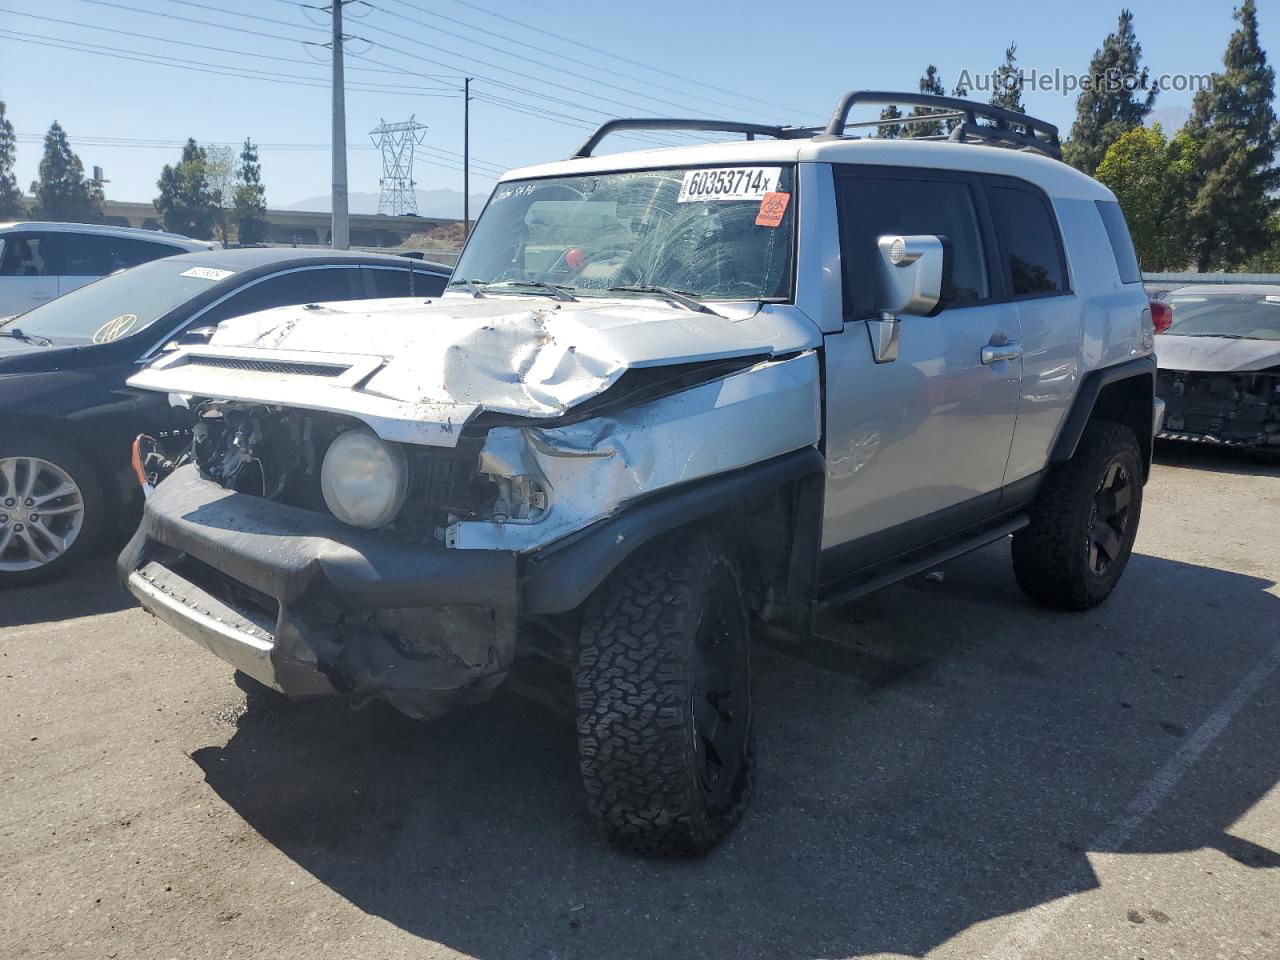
point(715, 234)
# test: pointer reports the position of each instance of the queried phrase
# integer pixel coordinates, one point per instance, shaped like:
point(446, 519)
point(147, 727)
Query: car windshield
point(119, 305)
point(721, 234)
point(1254, 316)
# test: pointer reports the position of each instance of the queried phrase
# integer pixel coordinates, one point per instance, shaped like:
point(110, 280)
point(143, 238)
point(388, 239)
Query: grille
point(270, 366)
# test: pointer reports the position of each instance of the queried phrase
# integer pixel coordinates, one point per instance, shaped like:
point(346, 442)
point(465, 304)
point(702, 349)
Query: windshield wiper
point(26, 337)
point(553, 290)
point(471, 287)
point(675, 296)
point(1219, 336)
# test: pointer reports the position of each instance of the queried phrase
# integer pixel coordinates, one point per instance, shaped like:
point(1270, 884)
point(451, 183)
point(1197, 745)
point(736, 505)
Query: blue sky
point(749, 60)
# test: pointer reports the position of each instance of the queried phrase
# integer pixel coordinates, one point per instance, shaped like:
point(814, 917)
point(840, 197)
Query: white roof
point(103, 229)
point(1053, 176)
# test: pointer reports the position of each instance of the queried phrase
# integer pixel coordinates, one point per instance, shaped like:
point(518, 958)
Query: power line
point(612, 55)
point(560, 69)
point(199, 66)
point(187, 43)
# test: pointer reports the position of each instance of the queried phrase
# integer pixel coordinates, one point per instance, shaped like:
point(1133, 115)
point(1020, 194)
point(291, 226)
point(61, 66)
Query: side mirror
point(911, 275)
point(195, 337)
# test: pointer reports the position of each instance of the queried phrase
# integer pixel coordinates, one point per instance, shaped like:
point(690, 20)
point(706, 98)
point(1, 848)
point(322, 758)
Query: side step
point(916, 561)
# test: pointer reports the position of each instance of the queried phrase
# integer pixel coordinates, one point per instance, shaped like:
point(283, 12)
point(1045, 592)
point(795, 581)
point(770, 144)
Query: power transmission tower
point(396, 141)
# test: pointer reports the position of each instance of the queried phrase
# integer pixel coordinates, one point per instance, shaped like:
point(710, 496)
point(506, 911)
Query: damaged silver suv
point(669, 396)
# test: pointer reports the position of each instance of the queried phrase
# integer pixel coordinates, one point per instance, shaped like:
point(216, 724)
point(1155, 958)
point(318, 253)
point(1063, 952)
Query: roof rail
point(1036, 135)
point(751, 130)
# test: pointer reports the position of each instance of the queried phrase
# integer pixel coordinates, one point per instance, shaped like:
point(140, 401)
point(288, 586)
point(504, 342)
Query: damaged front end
point(1238, 409)
point(245, 550)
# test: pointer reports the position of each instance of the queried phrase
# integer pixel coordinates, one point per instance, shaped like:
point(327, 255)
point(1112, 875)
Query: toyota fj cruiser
point(670, 396)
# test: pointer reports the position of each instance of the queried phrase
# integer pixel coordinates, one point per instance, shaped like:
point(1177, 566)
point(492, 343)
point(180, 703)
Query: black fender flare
point(561, 576)
point(1086, 398)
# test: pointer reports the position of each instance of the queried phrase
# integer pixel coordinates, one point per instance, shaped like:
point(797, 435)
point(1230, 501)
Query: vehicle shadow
point(895, 807)
point(1218, 459)
point(91, 588)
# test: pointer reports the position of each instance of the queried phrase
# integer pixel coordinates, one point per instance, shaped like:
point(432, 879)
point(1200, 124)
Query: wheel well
point(66, 433)
point(1128, 402)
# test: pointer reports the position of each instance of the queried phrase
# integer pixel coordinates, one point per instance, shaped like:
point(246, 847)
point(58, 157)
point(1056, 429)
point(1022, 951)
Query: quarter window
point(1033, 257)
point(871, 207)
point(1121, 243)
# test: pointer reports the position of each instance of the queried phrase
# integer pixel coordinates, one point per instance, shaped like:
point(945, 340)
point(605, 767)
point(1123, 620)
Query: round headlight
point(364, 479)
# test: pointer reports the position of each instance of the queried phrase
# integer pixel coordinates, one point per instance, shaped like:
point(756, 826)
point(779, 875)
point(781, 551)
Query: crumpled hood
point(1215, 354)
point(431, 367)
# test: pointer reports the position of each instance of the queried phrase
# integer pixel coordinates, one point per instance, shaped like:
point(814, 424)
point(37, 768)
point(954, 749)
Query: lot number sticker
point(207, 273)
point(728, 183)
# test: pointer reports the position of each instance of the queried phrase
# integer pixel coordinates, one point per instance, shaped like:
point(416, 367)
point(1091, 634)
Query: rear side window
point(1032, 253)
point(389, 282)
point(1121, 242)
point(871, 207)
point(290, 289)
point(31, 255)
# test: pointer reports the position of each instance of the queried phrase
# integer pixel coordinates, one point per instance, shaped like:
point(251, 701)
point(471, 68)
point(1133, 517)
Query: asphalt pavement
point(949, 772)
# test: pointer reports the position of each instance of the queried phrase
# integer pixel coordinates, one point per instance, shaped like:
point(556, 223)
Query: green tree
point(1006, 88)
point(187, 204)
point(1155, 181)
point(1236, 124)
point(1268, 261)
point(890, 131)
point(62, 193)
point(1118, 98)
point(11, 206)
point(931, 84)
point(250, 207)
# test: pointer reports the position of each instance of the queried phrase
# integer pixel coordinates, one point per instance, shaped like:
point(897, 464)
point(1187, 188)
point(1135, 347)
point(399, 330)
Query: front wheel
point(1083, 522)
point(664, 700)
point(51, 508)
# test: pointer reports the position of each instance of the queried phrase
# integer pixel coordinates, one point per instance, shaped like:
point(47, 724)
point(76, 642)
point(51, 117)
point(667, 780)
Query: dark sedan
point(67, 420)
point(1220, 366)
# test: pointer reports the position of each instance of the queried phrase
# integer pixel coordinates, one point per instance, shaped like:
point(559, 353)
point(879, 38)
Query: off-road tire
point(1051, 558)
point(84, 477)
point(642, 662)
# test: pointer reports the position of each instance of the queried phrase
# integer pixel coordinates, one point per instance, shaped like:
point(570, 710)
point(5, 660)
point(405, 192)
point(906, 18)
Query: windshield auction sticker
point(115, 328)
point(772, 207)
point(728, 183)
point(207, 273)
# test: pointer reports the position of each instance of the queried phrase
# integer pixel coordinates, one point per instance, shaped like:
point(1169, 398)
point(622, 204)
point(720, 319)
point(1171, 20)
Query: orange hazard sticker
point(772, 207)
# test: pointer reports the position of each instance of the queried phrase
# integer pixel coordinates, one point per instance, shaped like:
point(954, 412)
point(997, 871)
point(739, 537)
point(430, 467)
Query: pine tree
point(62, 193)
point(960, 91)
point(11, 206)
point(1155, 181)
point(187, 204)
point(1236, 124)
point(931, 84)
point(250, 207)
point(890, 131)
point(1118, 99)
point(1006, 89)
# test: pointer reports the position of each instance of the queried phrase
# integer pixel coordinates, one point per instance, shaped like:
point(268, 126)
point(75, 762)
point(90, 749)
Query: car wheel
point(51, 509)
point(664, 700)
point(1083, 522)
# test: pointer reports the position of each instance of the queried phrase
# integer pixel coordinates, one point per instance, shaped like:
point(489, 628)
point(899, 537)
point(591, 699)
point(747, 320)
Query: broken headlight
point(364, 479)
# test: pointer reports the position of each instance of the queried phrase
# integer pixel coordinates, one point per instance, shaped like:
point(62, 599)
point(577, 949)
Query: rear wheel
point(51, 508)
point(664, 701)
point(1083, 522)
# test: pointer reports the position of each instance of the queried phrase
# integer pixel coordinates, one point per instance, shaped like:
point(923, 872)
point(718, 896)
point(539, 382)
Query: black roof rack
point(751, 130)
point(1004, 127)
point(1035, 135)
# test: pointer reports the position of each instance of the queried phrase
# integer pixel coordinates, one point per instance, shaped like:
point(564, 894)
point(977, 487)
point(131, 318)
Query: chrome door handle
point(1005, 351)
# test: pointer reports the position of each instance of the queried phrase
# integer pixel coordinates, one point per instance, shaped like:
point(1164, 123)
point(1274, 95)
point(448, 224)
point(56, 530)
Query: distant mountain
point(1171, 119)
point(431, 203)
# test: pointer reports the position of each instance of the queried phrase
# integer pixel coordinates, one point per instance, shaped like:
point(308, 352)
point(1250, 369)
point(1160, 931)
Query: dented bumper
point(312, 607)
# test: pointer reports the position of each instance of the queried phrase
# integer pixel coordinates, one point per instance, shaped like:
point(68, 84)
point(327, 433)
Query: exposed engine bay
point(1233, 409)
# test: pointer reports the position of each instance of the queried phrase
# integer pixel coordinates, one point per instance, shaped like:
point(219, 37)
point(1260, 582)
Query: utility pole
point(341, 228)
point(466, 157)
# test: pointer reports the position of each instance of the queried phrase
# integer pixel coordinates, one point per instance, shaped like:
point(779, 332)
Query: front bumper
point(312, 607)
point(1225, 409)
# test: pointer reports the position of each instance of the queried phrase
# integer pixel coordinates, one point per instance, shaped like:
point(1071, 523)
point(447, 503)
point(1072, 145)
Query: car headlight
point(364, 479)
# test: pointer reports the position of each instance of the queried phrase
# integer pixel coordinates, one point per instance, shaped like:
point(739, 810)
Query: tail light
point(1161, 315)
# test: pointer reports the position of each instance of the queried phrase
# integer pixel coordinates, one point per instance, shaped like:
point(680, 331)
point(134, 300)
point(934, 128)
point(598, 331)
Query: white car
point(40, 261)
